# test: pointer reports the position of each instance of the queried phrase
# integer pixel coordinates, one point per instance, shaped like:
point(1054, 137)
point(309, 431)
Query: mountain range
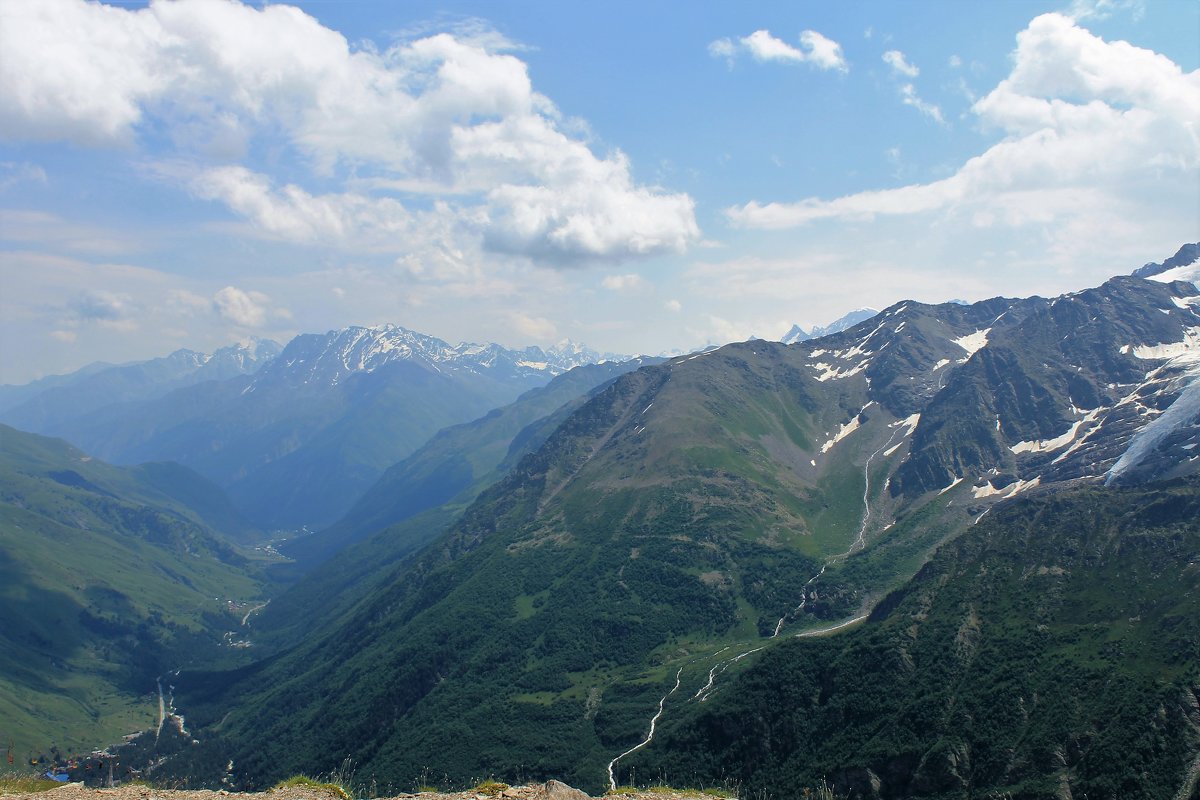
point(55, 399)
point(798, 334)
point(993, 506)
point(297, 439)
point(697, 512)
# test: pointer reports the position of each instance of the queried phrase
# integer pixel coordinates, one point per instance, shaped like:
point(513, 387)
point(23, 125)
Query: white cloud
point(822, 51)
point(1093, 130)
point(443, 114)
point(902, 68)
point(620, 283)
point(722, 48)
point(1103, 9)
point(674, 306)
point(954, 62)
point(291, 213)
point(101, 306)
point(908, 95)
point(899, 64)
point(245, 309)
point(816, 49)
point(765, 47)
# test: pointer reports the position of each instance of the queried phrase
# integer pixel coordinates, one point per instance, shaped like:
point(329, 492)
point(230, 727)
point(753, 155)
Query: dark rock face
point(1187, 254)
point(1050, 649)
point(698, 503)
point(1089, 362)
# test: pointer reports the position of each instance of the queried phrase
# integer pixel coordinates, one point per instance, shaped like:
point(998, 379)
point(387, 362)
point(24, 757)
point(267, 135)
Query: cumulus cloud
point(674, 306)
point(1092, 130)
point(289, 212)
point(765, 47)
point(101, 306)
point(822, 51)
point(246, 309)
point(816, 49)
point(899, 64)
point(620, 283)
point(446, 115)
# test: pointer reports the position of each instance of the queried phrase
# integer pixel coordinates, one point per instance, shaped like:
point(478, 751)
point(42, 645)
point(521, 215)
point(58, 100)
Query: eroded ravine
point(718, 669)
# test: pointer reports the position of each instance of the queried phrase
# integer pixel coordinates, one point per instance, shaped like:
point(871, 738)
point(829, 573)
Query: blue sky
point(641, 177)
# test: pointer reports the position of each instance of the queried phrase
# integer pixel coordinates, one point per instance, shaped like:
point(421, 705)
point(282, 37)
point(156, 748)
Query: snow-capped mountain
point(331, 357)
point(296, 441)
point(45, 405)
point(1183, 266)
point(798, 334)
point(759, 487)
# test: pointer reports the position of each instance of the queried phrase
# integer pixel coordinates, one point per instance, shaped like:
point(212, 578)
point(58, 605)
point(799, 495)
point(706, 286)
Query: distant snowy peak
point(240, 358)
point(798, 334)
point(244, 357)
point(568, 354)
point(1183, 266)
point(330, 357)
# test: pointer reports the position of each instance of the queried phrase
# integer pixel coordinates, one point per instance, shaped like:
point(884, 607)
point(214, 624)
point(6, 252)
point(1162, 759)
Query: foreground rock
point(552, 790)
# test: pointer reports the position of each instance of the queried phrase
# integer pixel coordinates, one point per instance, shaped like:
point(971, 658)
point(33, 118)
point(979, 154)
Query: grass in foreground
point(305, 782)
point(25, 784)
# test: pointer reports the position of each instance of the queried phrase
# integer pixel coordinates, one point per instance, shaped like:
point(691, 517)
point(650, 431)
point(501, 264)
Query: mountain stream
point(703, 693)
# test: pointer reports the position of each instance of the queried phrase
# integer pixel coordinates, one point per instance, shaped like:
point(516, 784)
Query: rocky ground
point(552, 790)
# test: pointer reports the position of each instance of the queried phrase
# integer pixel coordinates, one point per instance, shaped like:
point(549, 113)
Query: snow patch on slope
point(1048, 445)
point(973, 342)
point(845, 430)
point(1187, 350)
point(1014, 488)
point(1188, 272)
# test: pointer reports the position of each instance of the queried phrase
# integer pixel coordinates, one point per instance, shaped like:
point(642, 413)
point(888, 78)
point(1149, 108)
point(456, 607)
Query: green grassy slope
point(678, 519)
point(105, 582)
point(457, 463)
point(1054, 647)
point(565, 597)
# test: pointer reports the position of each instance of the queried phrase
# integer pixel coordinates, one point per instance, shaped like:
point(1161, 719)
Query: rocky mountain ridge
point(297, 441)
point(719, 502)
point(331, 357)
point(798, 334)
point(48, 401)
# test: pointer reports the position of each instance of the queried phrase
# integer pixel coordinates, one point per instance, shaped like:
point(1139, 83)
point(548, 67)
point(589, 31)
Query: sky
point(641, 177)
